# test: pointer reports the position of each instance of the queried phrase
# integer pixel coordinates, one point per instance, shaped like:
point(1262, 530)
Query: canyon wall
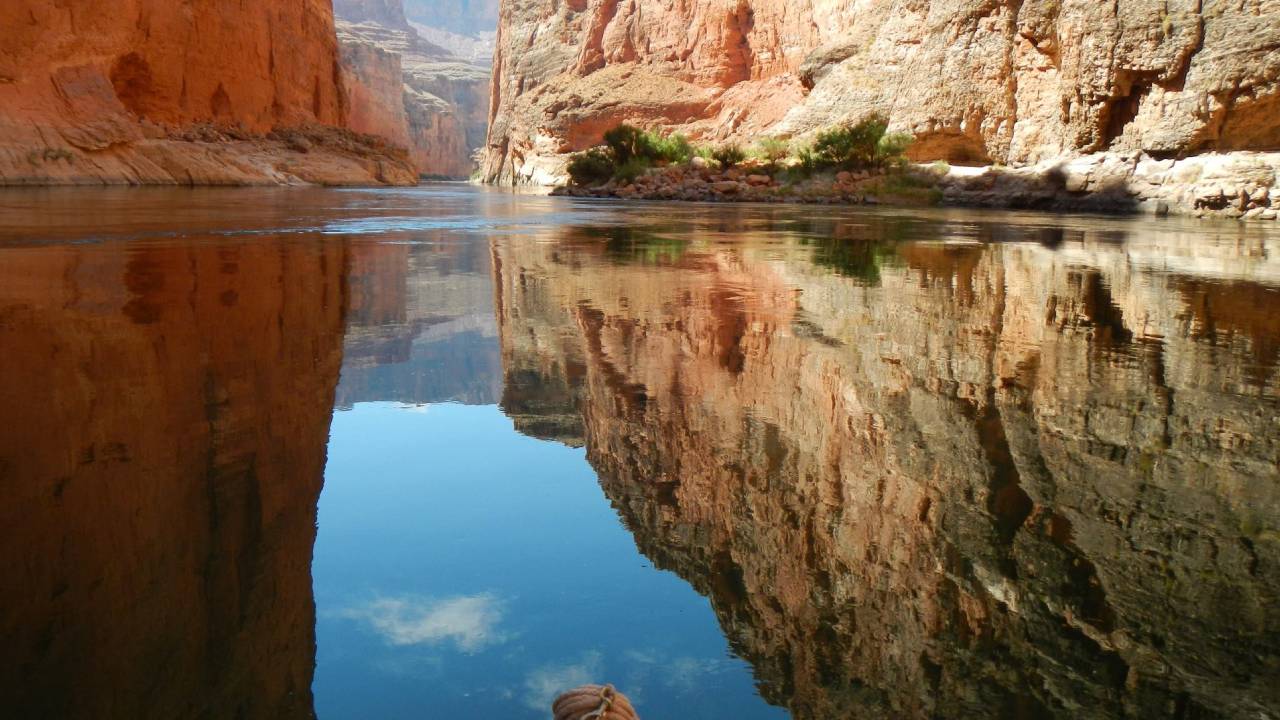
point(420, 324)
point(155, 92)
point(412, 91)
point(1005, 471)
point(976, 81)
point(163, 451)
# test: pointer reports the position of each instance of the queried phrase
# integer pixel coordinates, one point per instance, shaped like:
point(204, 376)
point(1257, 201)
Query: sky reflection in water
point(465, 570)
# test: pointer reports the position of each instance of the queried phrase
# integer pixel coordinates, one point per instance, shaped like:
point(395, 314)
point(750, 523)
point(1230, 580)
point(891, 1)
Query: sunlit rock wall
point(132, 91)
point(936, 480)
point(162, 456)
point(973, 80)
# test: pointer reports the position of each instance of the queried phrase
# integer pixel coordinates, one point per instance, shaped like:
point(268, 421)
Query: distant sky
point(461, 16)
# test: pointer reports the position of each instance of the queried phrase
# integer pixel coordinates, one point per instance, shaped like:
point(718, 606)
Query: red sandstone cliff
point(165, 426)
point(156, 92)
point(932, 480)
point(974, 80)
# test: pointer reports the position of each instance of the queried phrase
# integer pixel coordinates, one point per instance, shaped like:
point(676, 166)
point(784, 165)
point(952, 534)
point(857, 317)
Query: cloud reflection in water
point(470, 622)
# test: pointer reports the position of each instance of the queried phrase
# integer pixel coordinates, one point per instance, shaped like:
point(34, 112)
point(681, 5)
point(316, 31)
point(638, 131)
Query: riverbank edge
point(212, 156)
point(1240, 184)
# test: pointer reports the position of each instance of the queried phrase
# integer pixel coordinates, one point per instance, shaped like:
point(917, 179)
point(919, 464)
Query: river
point(448, 451)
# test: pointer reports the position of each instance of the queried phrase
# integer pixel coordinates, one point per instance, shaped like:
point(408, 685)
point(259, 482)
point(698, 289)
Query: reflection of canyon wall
point(927, 480)
point(162, 452)
point(420, 326)
point(412, 91)
point(157, 92)
point(974, 80)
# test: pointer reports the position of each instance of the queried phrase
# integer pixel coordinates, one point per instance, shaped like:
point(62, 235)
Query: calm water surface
point(446, 452)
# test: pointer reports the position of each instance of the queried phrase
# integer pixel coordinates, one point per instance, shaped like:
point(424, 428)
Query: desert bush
point(627, 142)
point(850, 147)
point(772, 150)
point(674, 149)
point(728, 155)
point(891, 151)
point(628, 171)
point(861, 146)
point(592, 166)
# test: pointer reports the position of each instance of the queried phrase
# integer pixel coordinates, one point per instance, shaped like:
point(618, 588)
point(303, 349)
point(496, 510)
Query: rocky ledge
point(208, 154)
point(1229, 185)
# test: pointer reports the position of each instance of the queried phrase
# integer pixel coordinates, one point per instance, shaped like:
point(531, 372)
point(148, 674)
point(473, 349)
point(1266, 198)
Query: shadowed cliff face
point(166, 412)
point(928, 469)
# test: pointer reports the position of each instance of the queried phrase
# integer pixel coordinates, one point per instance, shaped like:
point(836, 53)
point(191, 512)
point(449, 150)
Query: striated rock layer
point(1030, 479)
point(163, 448)
point(156, 92)
point(976, 81)
point(413, 92)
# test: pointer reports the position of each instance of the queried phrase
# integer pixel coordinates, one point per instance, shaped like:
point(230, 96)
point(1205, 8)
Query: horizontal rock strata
point(975, 81)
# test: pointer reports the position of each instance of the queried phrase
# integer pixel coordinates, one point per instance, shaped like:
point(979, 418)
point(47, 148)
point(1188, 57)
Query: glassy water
point(748, 462)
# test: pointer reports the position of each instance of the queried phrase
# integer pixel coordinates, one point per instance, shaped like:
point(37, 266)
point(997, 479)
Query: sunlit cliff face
point(981, 469)
point(166, 422)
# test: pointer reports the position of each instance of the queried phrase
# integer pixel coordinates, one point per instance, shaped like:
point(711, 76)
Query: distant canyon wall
point(156, 92)
point(166, 424)
point(412, 91)
point(1024, 479)
point(976, 81)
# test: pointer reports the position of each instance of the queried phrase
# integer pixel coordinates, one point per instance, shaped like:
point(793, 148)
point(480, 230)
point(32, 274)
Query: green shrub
point(860, 146)
point(850, 147)
point(627, 142)
point(728, 155)
point(891, 151)
point(772, 150)
point(674, 149)
point(592, 167)
point(628, 171)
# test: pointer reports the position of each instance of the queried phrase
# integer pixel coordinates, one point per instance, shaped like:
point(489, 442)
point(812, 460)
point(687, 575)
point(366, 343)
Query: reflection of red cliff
point(93, 92)
point(163, 445)
point(925, 480)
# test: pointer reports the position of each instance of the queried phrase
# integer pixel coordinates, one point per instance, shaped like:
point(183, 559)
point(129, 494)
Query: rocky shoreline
point(208, 155)
point(1240, 185)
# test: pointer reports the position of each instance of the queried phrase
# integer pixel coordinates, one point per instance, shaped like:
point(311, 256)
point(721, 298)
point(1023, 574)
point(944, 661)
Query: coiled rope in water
point(593, 702)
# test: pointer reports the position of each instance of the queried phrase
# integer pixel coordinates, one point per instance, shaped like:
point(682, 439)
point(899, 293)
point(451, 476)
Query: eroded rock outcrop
point(162, 456)
point(975, 81)
point(1033, 476)
point(437, 102)
point(154, 92)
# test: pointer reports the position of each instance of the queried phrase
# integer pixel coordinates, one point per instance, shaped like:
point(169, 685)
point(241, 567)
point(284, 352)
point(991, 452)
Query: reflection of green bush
point(860, 257)
point(857, 259)
point(633, 245)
